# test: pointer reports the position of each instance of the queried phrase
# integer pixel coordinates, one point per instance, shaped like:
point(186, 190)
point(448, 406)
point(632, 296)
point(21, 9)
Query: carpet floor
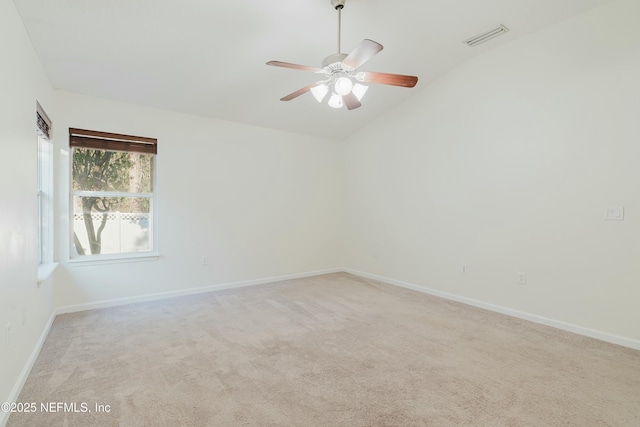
point(331, 350)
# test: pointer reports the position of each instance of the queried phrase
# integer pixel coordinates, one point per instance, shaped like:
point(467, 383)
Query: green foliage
point(97, 170)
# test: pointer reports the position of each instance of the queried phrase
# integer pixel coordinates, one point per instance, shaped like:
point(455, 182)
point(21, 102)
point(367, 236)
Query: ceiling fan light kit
point(342, 81)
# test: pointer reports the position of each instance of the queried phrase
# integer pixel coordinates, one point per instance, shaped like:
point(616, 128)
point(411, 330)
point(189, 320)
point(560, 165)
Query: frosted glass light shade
point(359, 90)
point(319, 92)
point(335, 101)
point(343, 85)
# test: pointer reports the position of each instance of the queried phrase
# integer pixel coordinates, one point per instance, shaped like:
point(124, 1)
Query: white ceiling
point(208, 57)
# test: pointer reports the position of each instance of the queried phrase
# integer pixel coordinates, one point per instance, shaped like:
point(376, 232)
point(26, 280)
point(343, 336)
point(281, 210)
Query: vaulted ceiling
point(208, 57)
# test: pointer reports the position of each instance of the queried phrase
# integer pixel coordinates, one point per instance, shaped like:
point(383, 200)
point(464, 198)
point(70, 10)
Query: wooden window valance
point(112, 141)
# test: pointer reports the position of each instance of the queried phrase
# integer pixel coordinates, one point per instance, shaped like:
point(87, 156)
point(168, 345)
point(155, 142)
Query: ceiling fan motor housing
point(336, 58)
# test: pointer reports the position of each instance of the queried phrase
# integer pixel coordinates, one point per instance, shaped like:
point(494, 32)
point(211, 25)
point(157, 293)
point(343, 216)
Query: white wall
point(507, 164)
point(22, 82)
point(257, 202)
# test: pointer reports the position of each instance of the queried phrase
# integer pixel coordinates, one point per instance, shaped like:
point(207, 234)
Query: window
point(45, 179)
point(112, 194)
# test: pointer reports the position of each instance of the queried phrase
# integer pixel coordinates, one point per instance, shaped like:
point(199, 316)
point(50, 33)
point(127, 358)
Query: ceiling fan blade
point(294, 66)
point(389, 79)
point(362, 53)
point(299, 92)
point(351, 101)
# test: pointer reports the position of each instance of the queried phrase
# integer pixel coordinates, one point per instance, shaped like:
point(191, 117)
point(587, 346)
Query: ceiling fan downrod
point(339, 5)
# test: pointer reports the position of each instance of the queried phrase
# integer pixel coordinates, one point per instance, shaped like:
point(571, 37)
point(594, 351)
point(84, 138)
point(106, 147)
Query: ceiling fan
point(343, 82)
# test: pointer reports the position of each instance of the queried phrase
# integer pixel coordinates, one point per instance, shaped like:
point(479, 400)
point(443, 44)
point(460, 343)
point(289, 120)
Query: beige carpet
point(332, 350)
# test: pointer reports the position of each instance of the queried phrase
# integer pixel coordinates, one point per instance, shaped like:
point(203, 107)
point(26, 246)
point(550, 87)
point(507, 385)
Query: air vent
point(486, 36)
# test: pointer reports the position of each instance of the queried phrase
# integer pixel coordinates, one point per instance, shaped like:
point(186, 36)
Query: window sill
point(88, 260)
point(46, 270)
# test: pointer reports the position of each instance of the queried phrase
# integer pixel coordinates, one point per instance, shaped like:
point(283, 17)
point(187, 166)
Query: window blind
point(43, 122)
point(112, 141)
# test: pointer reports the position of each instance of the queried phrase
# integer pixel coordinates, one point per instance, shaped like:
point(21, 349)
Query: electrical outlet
point(615, 213)
point(522, 278)
point(205, 261)
point(465, 269)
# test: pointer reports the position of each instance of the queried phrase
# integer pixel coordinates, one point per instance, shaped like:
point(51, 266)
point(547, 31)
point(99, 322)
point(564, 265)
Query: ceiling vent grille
point(486, 36)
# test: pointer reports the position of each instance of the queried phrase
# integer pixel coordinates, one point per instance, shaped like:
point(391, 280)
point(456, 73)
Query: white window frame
point(150, 254)
point(45, 190)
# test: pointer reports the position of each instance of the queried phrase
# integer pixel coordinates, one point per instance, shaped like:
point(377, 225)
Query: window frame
point(45, 188)
point(106, 141)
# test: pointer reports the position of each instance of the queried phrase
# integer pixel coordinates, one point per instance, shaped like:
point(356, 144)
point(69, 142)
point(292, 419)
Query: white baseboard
point(191, 291)
point(26, 370)
point(592, 333)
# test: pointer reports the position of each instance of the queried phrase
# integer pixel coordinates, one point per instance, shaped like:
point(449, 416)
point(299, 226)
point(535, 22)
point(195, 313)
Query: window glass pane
point(102, 170)
point(45, 208)
point(111, 225)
